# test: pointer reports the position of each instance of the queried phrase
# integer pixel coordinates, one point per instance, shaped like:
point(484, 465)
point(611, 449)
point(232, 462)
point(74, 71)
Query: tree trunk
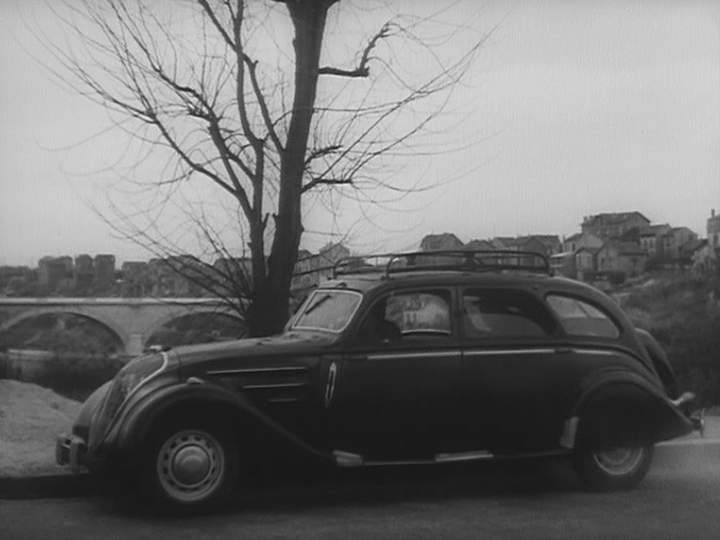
point(270, 307)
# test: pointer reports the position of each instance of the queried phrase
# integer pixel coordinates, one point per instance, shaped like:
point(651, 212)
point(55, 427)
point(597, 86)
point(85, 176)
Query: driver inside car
point(377, 328)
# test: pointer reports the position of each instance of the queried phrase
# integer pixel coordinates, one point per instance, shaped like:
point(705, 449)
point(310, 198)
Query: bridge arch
point(105, 322)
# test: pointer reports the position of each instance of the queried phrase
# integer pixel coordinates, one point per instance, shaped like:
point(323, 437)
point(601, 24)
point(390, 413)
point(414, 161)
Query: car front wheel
point(191, 466)
point(613, 467)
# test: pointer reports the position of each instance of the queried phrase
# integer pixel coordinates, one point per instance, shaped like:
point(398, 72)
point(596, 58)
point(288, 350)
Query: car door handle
point(356, 357)
point(563, 350)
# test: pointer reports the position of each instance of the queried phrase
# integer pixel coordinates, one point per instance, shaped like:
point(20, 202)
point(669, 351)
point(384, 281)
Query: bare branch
point(269, 124)
point(326, 181)
point(362, 69)
point(320, 152)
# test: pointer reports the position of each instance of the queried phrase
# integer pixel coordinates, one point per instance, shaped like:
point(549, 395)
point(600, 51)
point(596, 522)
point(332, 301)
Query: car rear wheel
point(613, 467)
point(191, 466)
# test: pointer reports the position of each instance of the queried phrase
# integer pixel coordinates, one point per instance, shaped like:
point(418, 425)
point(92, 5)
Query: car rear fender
point(197, 395)
point(81, 426)
point(619, 406)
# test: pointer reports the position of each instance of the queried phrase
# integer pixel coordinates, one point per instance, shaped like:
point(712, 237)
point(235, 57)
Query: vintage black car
point(428, 358)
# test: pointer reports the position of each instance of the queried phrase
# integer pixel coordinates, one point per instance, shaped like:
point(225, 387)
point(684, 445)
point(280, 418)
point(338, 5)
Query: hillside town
point(609, 246)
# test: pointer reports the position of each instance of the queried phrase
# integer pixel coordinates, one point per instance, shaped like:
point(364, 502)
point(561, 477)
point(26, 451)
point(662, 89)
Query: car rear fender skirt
point(199, 396)
point(620, 407)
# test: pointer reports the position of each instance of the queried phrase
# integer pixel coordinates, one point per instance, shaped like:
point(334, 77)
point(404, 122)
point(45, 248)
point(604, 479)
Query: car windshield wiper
point(317, 304)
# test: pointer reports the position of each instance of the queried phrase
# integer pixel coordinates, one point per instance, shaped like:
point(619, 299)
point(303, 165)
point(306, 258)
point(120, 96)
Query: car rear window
point(498, 313)
point(580, 318)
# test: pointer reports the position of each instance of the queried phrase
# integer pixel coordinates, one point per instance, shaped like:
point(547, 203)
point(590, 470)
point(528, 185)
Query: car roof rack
point(458, 260)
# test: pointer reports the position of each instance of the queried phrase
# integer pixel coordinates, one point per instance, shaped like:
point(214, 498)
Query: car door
point(395, 393)
point(513, 373)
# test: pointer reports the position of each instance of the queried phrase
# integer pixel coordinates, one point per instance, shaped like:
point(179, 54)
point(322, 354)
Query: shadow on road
point(311, 487)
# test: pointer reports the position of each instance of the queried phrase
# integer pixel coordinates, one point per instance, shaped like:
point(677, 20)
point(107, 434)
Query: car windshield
point(329, 310)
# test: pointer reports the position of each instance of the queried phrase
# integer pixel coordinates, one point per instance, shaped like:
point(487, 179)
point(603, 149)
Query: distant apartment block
point(55, 271)
point(104, 270)
point(136, 281)
point(84, 271)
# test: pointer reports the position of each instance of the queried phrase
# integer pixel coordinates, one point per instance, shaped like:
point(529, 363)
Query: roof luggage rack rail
point(457, 260)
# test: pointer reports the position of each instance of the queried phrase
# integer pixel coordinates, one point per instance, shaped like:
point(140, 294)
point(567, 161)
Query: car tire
point(190, 466)
point(612, 468)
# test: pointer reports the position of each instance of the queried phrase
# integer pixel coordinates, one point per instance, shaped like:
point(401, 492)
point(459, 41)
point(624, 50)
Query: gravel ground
point(30, 418)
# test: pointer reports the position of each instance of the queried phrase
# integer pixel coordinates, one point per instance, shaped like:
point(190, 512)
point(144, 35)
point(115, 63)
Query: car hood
point(287, 344)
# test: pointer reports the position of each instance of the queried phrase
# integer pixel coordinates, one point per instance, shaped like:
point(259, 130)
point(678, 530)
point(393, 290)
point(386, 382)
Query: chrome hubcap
point(619, 461)
point(190, 465)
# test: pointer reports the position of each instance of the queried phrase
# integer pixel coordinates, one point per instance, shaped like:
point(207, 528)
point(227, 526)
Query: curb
point(48, 486)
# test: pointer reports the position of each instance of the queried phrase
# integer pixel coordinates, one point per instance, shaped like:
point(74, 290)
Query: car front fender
point(133, 428)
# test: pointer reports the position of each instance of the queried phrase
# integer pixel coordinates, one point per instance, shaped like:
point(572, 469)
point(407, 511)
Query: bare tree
point(268, 131)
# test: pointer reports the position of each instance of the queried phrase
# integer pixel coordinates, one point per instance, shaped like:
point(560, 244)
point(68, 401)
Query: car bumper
point(71, 450)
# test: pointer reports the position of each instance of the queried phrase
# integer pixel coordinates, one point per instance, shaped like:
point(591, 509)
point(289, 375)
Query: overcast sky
point(577, 108)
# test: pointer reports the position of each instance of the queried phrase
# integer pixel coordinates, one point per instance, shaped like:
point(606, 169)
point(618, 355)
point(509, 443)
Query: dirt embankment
point(683, 313)
point(30, 418)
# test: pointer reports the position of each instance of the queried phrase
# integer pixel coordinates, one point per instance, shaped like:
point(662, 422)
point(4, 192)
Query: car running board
point(350, 459)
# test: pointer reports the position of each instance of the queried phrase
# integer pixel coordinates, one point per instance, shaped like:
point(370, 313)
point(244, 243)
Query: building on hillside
point(330, 253)
point(651, 239)
point(439, 242)
point(551, 242)
point(479, 245)
point(563, 264)
point(522, 243)
point(613, 224)
point(444, 241)
point(616, 256)
point(585, 262)
point(705, 260)
point(687, 252)
point(713, 230)
point(546, 244)
point(677, 243)
point(582, 240)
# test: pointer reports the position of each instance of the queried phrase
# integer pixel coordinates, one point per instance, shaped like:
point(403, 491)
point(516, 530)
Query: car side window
point(409, 315)
point(501, 313)
point(580, 318)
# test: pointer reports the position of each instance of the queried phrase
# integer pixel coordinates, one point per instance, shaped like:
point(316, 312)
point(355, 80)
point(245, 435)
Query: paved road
point(679, 499)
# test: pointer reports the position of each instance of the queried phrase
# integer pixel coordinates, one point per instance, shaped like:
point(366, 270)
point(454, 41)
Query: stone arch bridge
point(132, 320)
